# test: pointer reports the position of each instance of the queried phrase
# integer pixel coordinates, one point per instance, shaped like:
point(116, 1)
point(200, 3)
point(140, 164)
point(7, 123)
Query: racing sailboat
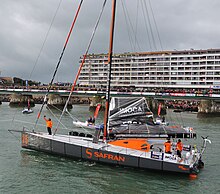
point(131, 117)
point(121, 144)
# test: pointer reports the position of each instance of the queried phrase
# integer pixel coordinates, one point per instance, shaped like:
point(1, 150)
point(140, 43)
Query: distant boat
point(28, 110)
point(87, 124)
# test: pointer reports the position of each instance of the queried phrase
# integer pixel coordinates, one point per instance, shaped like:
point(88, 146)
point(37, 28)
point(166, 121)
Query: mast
point(109, 69)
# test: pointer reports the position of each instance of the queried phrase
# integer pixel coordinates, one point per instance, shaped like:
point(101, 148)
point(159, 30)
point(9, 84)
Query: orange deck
point(137, 144)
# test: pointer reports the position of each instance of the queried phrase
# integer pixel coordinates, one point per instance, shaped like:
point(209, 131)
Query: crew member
point(150, 121)
point(163, 119)
point(91, 120)
point(179, 148)
point(168, 146)
point(49, 124)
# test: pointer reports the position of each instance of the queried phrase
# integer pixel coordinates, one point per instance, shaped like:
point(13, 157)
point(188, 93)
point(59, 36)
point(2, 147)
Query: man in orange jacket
point(179, 148)
point(49, 124)
point(168, 145)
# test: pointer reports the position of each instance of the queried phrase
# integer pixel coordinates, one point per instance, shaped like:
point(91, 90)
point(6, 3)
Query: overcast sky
point(181, 24)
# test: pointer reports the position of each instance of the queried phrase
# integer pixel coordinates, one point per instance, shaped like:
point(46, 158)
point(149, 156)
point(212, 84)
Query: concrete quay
point(206, 107)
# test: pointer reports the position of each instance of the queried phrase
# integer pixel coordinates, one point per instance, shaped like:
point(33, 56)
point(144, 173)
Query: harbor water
point(26, 171)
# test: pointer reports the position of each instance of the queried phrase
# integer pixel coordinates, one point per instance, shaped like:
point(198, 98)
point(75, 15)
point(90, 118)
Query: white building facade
point(165, 69)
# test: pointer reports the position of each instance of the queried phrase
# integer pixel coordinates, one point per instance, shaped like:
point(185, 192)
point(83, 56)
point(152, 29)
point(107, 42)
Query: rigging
point(58, 64)
point(45, 39)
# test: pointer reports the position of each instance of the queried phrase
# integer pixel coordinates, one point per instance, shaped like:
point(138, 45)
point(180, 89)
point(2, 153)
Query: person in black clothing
point(91, 120)
point(150, 121)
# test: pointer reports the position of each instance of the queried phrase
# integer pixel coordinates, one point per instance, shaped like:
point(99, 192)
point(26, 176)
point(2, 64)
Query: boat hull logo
point(24, 140)
point(182, 168)
point(108, 156)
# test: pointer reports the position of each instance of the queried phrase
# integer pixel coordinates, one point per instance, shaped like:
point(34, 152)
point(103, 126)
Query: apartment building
point(168, 69)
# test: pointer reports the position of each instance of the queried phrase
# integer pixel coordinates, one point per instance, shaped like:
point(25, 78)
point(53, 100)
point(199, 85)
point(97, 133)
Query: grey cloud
point(24, 24)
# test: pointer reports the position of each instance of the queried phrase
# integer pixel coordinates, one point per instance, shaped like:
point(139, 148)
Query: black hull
point(42, 144)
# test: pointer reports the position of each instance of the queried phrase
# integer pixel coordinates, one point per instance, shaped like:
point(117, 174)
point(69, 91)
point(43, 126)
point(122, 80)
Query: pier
point(209, 102)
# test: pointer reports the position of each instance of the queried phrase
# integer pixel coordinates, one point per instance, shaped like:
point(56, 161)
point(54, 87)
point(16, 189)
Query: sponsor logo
point(157, 156)
point(182, 168)
point(24, 139)
point(113, 157)
point(131, 110)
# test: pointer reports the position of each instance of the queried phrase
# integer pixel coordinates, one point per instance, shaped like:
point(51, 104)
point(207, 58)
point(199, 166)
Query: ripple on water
point(23, 171)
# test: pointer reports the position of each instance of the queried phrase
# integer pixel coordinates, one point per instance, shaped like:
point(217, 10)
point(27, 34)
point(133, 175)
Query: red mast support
point(109, 69)
point(58, 64)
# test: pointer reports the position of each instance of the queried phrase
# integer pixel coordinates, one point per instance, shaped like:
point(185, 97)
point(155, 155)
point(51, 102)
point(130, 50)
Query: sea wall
point(21, 100)
point(58, 101)
point(208, 108)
